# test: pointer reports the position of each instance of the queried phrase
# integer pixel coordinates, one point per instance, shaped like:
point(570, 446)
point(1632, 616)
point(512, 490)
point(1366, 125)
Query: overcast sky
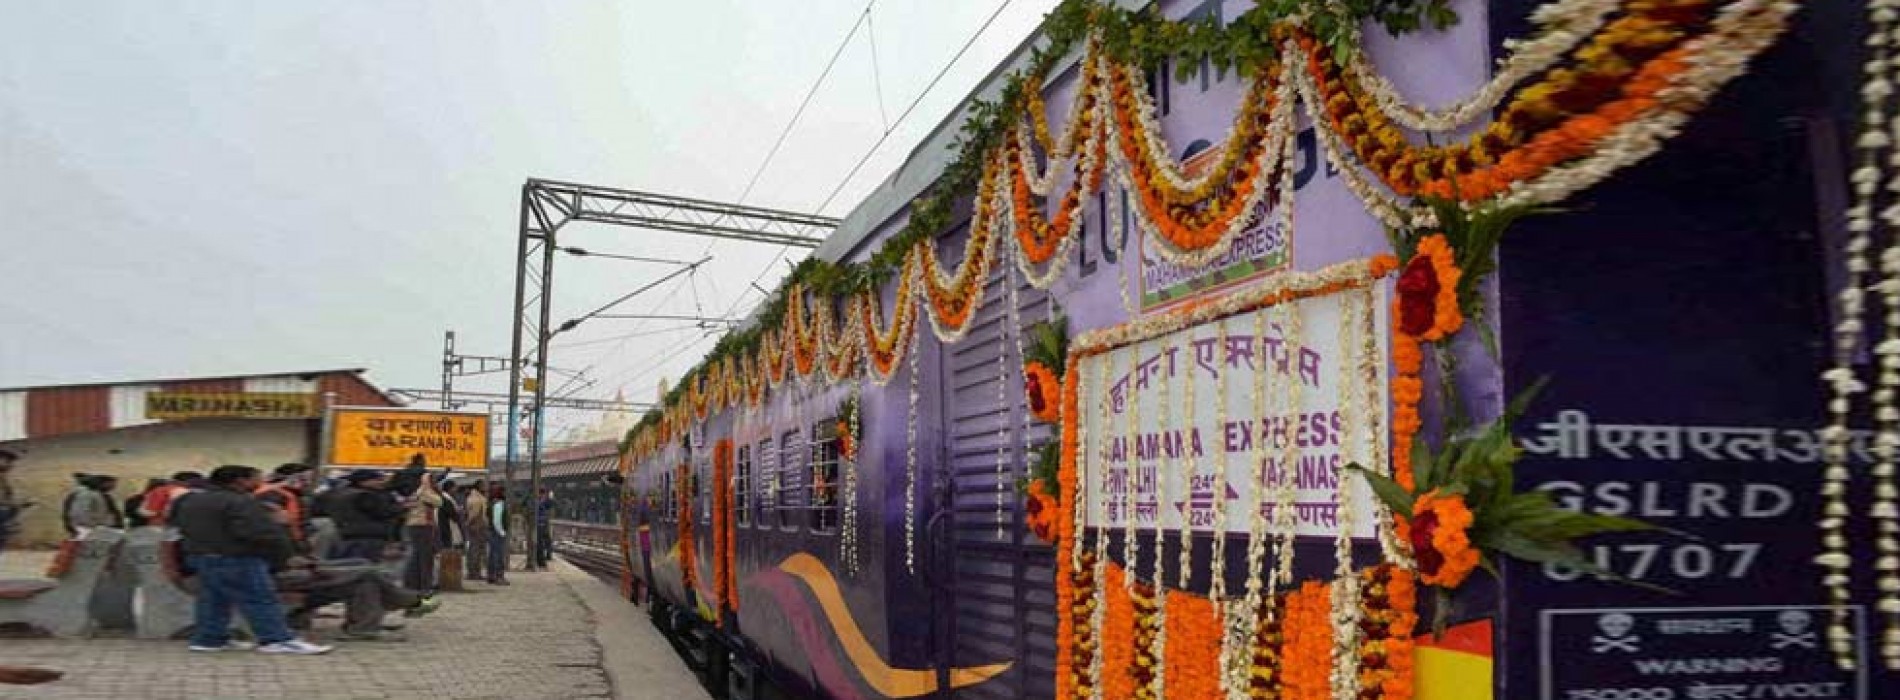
point(200, 188)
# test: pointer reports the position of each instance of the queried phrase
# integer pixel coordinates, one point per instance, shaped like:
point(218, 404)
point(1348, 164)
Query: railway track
point(593, 548)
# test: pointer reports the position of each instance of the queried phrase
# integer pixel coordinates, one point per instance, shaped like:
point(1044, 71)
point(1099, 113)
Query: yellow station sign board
point(371, 437)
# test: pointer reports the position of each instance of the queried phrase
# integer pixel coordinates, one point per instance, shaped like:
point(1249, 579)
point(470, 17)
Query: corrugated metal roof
point(239, 378)
point(68, 409)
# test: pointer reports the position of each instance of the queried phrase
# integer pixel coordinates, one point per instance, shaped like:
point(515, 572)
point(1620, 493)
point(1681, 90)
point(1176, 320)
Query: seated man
point(365, 590)
point(367, 593)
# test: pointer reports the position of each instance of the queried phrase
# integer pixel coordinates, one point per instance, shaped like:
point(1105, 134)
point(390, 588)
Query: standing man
point(452, 535)
point(366, 514)
point(418, 529)
point(497, 536)
point(11, 506)
point(475, 515)
point(543, 529)
point(233, 542)
point(92, 505)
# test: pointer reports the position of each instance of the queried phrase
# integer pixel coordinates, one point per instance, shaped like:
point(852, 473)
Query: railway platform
point(554, 635)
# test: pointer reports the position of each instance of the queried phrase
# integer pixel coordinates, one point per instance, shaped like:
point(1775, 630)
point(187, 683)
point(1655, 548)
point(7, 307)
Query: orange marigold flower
point(1043, 390)
point(1438, 532)
point(1428, 292)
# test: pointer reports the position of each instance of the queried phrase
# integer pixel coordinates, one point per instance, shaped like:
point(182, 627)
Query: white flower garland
point(1843, 379)
point(1134, 470)
point(1193, 469)
point(1345, 599)
point(1217, 567)
point(1284, 524)
point(1117, 208)
point(1158, 647)
point(1006, 327)
point(1217, 583)
point(1040, 183)
point(1563, 25)
point(850, 538)
point(1372, 368)
point(910, 465)
point(1238, 677)
point(1886, 503)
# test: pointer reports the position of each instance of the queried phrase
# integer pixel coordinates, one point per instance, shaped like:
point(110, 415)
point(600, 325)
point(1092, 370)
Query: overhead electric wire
point(888, 130)
point(913, 104)
point(630, 336)
point(877, 73)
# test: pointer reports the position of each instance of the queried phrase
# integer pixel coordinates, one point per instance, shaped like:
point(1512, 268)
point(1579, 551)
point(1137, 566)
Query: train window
point(667, 498)
point(702, 493)
point(824, 476)
point(767, 482)
point(792, 460)
point(741, 487)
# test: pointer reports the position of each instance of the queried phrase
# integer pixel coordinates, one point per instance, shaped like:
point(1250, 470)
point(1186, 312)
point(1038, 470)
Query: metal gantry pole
point(542, 335)
point(515, 356)
point(545, 206)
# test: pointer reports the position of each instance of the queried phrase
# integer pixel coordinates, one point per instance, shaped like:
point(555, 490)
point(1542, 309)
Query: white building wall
point(280, 385)
point(135, 455)
point(127, 405)
point(12, 415)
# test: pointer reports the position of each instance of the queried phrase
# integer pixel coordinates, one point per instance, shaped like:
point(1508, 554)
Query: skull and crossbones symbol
point(1617, 634)
point(1794, 631)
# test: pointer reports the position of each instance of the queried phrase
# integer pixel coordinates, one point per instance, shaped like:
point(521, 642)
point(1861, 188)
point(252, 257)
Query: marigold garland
point(1193, 648)
point(1040, 239)
point(1187, 227)
point(1612, 79)
point(1306, 656)
point(683, 491)
point(1042, 388)
point(723, 536)
point(1390, 600)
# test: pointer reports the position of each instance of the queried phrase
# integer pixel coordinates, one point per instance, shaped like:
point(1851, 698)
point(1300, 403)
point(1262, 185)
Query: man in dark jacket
point(366, 514)
point(233, 542)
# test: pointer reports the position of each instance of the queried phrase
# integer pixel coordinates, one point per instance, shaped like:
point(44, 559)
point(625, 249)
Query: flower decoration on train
point(1437, 528)
point(1464, 511)
point(1599, 86)
point(1428, 292)
point(848, 422)
point(1043, 509)
point(1044, 361)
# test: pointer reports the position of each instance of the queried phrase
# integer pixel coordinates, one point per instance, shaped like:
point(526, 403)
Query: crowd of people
point(275, 548)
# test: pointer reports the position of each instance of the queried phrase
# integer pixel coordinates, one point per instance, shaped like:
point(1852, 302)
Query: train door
point(998, 600)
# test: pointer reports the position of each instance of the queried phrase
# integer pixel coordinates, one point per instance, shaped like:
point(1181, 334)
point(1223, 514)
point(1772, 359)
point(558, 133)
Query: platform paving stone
point(534, 640)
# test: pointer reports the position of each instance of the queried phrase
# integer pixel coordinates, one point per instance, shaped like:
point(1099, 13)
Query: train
point(1077, 402)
